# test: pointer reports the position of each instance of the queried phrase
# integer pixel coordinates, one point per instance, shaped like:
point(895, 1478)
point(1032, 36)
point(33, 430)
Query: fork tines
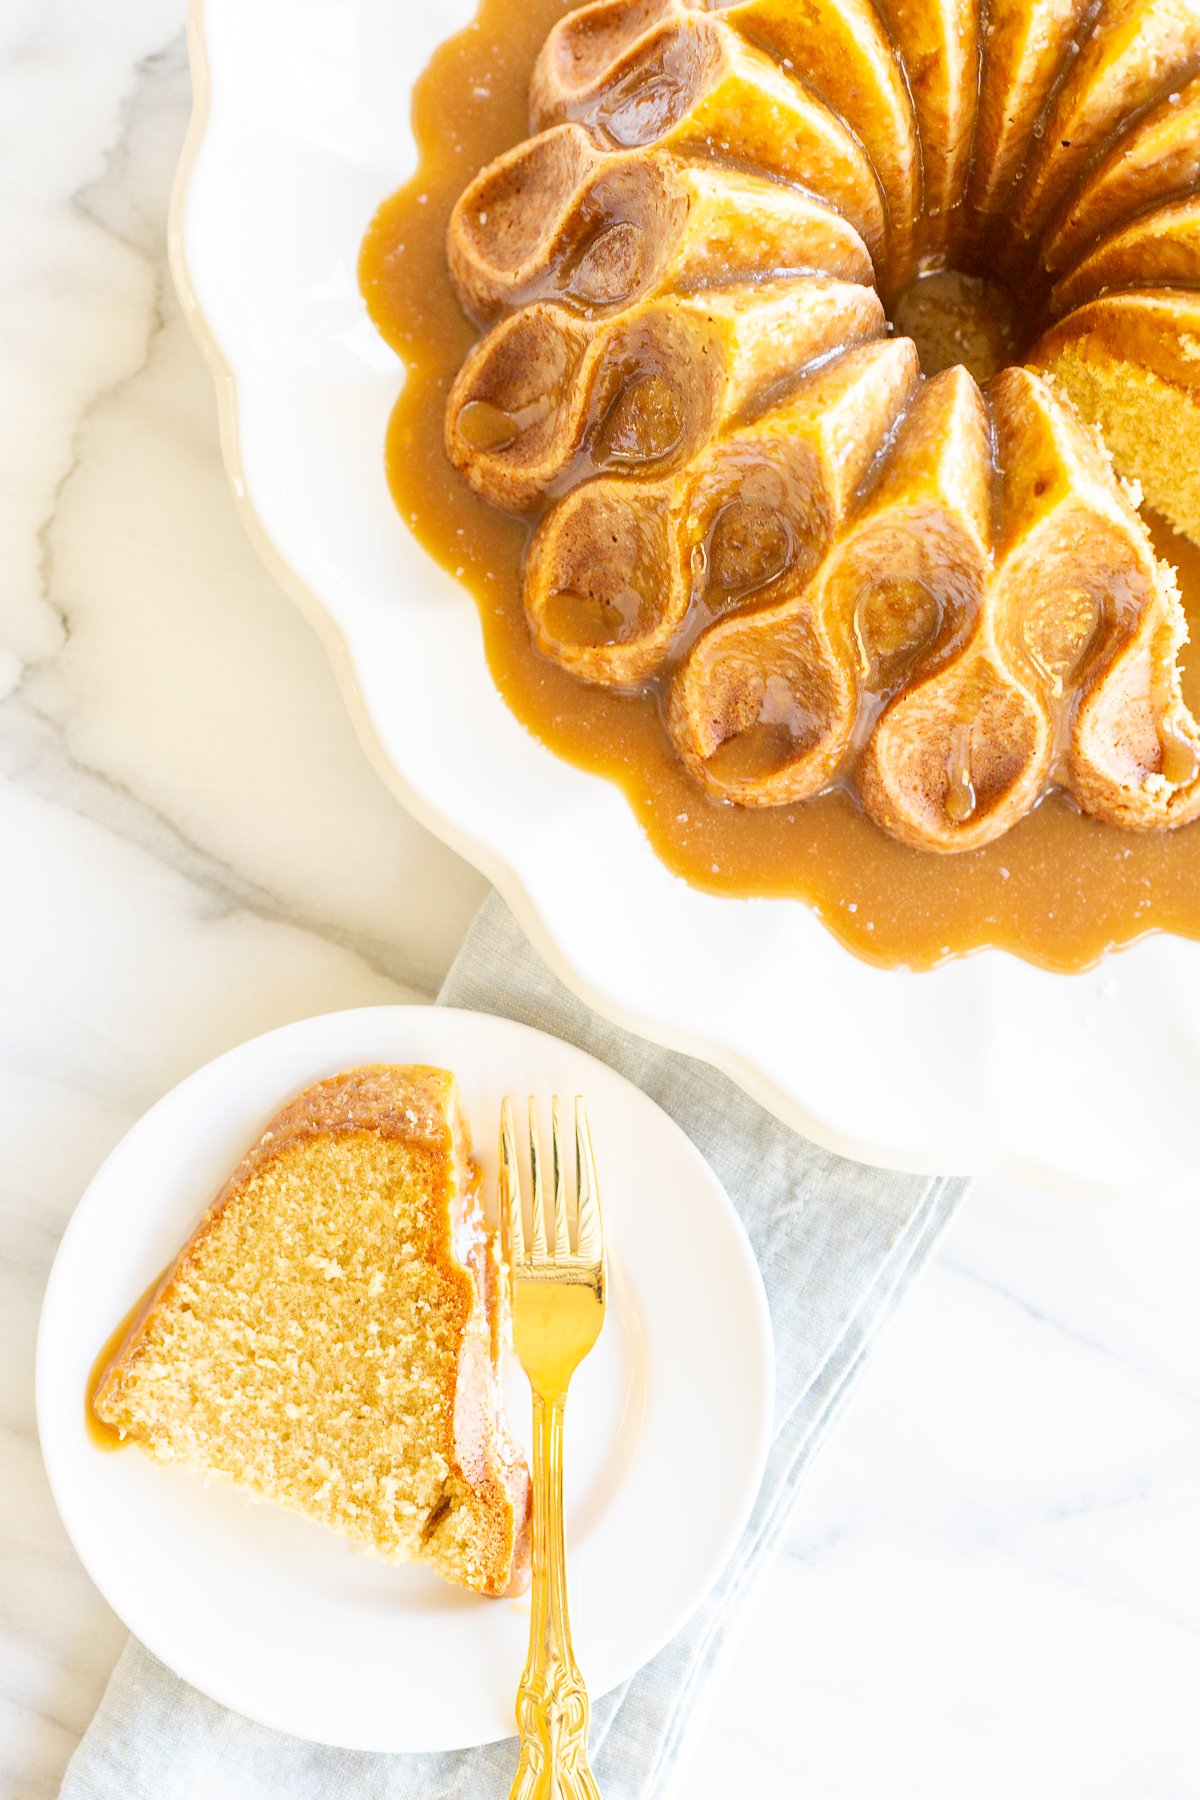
point(550, 1238)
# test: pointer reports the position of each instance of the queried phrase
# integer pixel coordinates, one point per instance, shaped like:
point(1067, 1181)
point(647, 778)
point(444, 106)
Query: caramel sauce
point(957, 318)
point(1058, 889)
point(1180, 762)
point(107, 1437)
point(487, 427)
point(961, 799)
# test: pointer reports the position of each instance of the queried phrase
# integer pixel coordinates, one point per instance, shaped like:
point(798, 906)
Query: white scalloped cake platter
point(1084, 1082)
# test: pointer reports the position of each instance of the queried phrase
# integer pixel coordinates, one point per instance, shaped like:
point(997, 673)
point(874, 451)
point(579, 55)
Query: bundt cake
point(330, 1337)
point(916, 569)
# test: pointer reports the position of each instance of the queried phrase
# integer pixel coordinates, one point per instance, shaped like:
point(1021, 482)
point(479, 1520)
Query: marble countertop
point(991, 1585)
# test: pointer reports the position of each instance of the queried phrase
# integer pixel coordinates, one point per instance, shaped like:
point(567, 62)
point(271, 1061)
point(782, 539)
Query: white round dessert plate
point(985, 1064)
point(281, 1620)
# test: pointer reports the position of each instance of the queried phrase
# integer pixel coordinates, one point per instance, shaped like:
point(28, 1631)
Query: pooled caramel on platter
point(1057, 887)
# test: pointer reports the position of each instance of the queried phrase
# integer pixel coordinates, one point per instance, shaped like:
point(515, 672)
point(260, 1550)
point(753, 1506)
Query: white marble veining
point(992, 1582)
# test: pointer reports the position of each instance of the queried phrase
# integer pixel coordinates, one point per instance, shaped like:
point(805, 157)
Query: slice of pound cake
point(330, 1337)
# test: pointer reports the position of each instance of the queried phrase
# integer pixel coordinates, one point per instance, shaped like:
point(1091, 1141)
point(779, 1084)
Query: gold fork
point(558, 1309)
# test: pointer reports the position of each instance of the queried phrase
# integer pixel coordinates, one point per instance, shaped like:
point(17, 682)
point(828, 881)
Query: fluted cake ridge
point(834, 567)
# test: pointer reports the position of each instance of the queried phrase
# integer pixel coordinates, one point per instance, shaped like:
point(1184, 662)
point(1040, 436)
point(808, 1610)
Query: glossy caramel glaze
point(1058, 889)
point(103, 1435)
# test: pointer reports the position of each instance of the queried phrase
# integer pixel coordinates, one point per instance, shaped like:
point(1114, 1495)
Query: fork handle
point(552, 1701)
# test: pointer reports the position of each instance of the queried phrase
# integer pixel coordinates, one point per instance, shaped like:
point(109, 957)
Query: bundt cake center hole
point(956, 318)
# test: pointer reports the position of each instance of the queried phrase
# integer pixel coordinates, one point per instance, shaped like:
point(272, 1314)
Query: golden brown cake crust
point(417, 1107)
point(646, 419)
